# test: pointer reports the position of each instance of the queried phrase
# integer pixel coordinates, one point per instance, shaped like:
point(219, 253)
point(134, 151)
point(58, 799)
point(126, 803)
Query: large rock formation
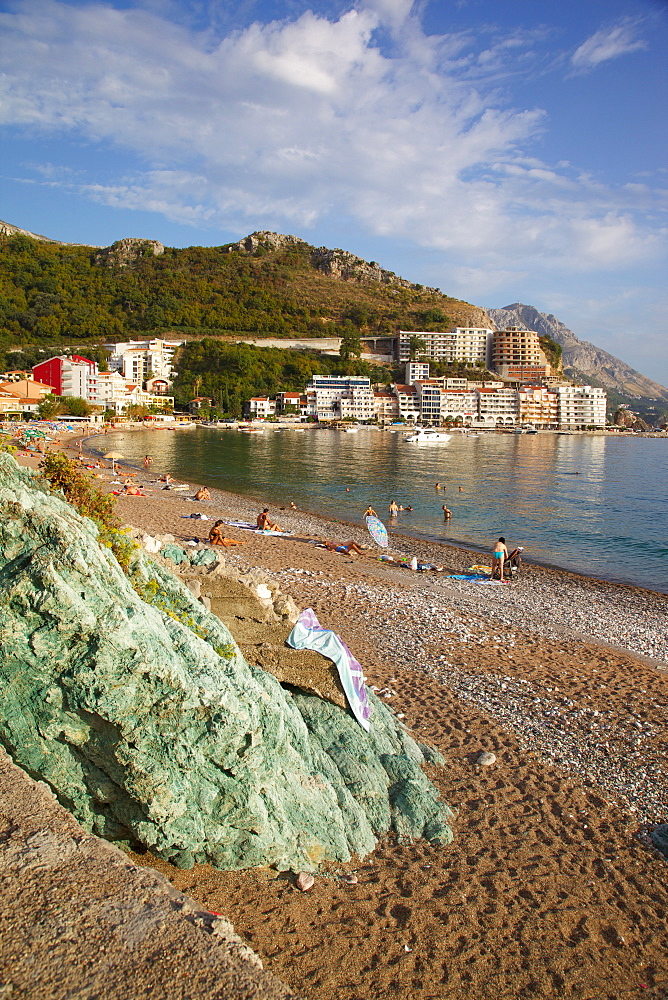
point(582, 360)
point(129, 251)
point(134, 703)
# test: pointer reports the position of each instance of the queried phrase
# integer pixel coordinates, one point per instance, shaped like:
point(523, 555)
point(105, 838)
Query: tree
point(50, 407)
point(350, 343)
point(416, 345)
point(137, 411)
point(76, 406)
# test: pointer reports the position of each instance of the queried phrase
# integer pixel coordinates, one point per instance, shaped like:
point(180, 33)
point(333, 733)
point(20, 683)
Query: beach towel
point(476, 578)
point(308, 633)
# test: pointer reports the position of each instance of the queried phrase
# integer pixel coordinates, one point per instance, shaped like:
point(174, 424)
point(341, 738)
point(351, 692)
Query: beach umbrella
point(113, 455)
point(377, 530)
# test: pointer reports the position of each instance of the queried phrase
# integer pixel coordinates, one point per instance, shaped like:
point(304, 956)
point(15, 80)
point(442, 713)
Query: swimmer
point(447, 513)
point(393, 509)
point(437, 486)
point(370, 512)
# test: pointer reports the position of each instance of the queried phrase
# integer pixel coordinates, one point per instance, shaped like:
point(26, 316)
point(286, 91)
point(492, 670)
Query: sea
point(590, 503)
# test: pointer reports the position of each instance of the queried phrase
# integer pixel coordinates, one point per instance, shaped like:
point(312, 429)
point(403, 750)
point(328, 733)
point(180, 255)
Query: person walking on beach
point(499, 556)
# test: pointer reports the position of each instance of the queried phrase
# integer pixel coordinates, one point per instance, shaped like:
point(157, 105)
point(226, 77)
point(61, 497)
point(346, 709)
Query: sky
point(501, 152)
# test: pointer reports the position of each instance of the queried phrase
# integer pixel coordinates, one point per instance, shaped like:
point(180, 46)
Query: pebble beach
point(551, 887)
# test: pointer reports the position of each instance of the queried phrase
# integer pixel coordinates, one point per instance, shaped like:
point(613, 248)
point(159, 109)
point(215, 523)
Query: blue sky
point(502, 152)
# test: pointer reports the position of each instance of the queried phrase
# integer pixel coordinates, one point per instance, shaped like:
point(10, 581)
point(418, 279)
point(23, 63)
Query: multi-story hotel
point(517, 355)
point(581, 406)
point(470, 345)
point(538, 406)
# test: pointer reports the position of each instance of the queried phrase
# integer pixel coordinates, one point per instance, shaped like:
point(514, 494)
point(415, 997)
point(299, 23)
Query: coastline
point(549, 889)
point(560, 559)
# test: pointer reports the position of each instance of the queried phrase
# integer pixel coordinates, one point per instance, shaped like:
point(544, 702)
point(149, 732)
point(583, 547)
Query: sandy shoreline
point(547, 890)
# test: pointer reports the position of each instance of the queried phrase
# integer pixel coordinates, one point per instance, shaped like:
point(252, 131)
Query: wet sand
point(549, 889)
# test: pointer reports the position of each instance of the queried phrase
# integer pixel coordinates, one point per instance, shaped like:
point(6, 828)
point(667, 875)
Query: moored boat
point(427, 435)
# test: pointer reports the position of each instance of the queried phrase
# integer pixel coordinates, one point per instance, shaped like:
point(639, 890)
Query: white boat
point(350, 430)
point(427, 435)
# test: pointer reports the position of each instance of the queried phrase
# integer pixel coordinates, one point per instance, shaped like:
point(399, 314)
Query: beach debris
point(350, 879)
point(305, 881)
point(486, 759)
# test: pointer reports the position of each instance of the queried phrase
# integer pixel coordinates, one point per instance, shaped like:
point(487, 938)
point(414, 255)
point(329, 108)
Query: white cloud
point(608, 43)
point(290, 123)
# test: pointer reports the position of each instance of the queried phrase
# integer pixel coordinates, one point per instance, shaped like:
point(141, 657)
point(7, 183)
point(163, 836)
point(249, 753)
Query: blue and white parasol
point(377, 530)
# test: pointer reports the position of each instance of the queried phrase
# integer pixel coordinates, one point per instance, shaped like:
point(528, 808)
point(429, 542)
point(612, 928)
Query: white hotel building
point(470, 345)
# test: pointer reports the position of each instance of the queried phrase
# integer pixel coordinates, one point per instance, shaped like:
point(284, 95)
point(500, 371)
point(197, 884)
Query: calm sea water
point(593, 504)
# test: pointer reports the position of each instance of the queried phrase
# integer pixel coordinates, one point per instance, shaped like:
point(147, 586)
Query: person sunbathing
point(265, 524)
point(202, 494)
point(350, 548)
point(217, 536)
point(130, 490)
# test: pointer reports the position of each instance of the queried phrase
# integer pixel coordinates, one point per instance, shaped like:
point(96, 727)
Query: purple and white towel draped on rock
point(308, 633)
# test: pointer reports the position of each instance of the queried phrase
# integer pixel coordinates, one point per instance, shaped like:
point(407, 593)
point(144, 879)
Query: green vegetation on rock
point(149, 725)
point(73, 295)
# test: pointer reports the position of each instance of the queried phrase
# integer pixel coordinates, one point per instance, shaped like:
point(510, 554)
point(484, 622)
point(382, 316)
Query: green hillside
point(54, 294)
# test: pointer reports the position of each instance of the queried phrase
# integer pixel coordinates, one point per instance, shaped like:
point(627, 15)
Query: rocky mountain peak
point(124, 253)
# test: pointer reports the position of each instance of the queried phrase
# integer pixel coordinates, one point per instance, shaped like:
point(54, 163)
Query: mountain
point(583, 361)
point(266, 285)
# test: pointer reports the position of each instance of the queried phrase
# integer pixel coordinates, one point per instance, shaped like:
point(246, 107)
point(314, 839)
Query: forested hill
point(265, 285)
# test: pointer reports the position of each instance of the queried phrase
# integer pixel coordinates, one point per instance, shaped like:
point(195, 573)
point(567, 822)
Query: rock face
point(129, 251)
point(263, 240)
point(582, 360)
point(134, 703)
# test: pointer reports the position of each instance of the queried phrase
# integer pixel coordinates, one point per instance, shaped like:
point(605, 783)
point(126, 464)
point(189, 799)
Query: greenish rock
point(175, 553)
point(134, 703)
point(203, 557)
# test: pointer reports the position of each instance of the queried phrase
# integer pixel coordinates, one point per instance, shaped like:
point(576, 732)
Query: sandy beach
point(550, 888)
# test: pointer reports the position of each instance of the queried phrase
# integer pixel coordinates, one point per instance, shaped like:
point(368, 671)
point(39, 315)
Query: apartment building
point(67, 376)
point(518, 350)
point(340, 397)
point(581, 406)
point(407, 402)
point(140, 360)
point(260, 407)
point(471, 345)
point(497, 407)
point(385, 407)
point(538, 406)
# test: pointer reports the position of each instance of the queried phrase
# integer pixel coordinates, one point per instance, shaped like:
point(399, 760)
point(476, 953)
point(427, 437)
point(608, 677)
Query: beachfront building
point(340, 397)
point(469, 345)
point(538, 406)
point(67, 376)
point(260, 407)
point(459, 406)
point(429, 402)
point(140, 360)
point(111, 391)
point(291, 404)
point(497, 407)
point(385, 406)
point(407, 403)
point(517, 355)
point(581, 406)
